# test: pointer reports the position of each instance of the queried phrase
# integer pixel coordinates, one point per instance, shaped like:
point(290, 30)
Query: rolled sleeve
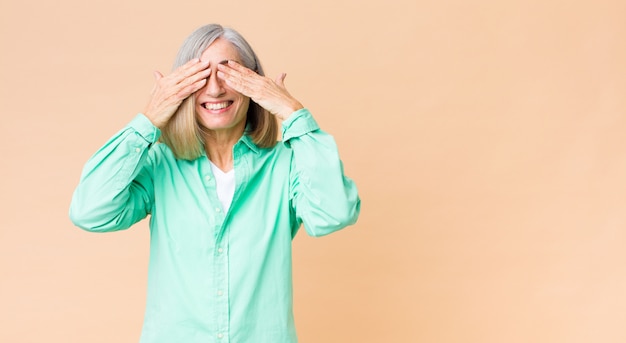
point(144, 127)
point(298, 124)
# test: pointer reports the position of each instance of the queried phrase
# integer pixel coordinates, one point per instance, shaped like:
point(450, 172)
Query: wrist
point(153, 120)
point(294, 106)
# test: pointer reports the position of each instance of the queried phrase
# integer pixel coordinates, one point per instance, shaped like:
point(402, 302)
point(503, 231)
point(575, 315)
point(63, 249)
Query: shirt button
point(137, 150)
point(220, 250)
point(217, 209)
point(207, 178)
point(220, 335)
point(220, 293)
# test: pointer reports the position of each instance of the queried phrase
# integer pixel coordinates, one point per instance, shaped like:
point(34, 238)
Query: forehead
point(220, 51)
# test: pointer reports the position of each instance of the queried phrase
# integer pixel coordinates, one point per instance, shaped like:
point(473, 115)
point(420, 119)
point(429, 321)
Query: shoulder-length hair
point(183, 132)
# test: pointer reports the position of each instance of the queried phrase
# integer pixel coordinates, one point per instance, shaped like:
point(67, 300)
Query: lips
point(216, 106)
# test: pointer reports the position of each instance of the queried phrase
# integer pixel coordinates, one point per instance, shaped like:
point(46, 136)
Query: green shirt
point(217, 276)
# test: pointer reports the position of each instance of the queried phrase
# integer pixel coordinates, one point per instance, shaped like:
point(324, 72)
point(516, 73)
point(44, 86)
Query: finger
point(188, 69)
point(203, 74)
point(280, 80)
point(190, 89)
point(196, 67)
point(157, 76)
point(240, 78)
point(233, 81)
point(190, 85)
point(235, 68)
point(176, 87)
point(244, 84)
point(230, 72)
point(183, 69)
point(238, 67)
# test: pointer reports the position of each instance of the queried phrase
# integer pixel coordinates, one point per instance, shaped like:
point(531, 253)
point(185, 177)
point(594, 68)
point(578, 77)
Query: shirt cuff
point(144, 127)
point(298, 124)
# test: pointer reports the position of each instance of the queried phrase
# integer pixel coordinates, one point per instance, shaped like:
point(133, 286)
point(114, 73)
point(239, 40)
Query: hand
point(271, 95)
point(170, 91)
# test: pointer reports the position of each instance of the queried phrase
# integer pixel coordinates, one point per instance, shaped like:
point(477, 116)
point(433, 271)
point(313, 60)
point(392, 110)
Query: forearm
point(325, 199)
point(115, 191)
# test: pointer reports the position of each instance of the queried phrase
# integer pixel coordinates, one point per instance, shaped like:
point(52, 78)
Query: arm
point(323, 198)
point(321, 195)
point(115, 189)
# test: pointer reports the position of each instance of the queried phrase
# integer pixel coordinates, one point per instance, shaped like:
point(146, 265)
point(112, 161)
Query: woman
point(224, 198)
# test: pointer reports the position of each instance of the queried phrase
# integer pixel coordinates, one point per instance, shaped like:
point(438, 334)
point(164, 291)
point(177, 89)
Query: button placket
point(221, 287)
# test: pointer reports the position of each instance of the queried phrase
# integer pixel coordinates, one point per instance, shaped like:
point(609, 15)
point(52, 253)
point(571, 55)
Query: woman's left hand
point(269, 94)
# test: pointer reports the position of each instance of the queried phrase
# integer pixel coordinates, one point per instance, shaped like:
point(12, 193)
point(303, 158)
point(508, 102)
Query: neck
point(219, 148)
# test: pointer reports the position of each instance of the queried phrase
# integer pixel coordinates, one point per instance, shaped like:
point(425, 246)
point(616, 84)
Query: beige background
point(486, 138)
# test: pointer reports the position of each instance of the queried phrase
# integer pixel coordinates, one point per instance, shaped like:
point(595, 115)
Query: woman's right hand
point(170, 91)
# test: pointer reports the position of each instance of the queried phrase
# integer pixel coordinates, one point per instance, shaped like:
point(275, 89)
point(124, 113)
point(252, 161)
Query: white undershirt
point(225, 183)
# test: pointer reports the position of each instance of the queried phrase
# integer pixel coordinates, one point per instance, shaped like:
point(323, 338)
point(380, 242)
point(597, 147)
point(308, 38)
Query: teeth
point(217, 106)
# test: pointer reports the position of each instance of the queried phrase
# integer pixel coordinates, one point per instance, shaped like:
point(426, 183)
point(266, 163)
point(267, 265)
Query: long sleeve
point(322, 197)
point(115, 189)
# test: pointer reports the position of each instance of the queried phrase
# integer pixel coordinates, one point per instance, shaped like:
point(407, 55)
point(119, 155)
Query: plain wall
point(486, 138)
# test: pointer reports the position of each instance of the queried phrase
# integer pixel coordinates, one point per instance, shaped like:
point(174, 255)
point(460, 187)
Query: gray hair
point(183, 133)
point(200, 39)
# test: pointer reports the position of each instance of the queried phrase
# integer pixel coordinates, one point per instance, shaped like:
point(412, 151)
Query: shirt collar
point(247, 140)
point(244, 140)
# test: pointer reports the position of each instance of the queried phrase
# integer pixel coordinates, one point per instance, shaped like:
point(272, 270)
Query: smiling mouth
point(216, 106)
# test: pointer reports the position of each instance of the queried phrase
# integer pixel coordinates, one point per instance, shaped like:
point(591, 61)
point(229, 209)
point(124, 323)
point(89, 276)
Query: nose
point(214, 86)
